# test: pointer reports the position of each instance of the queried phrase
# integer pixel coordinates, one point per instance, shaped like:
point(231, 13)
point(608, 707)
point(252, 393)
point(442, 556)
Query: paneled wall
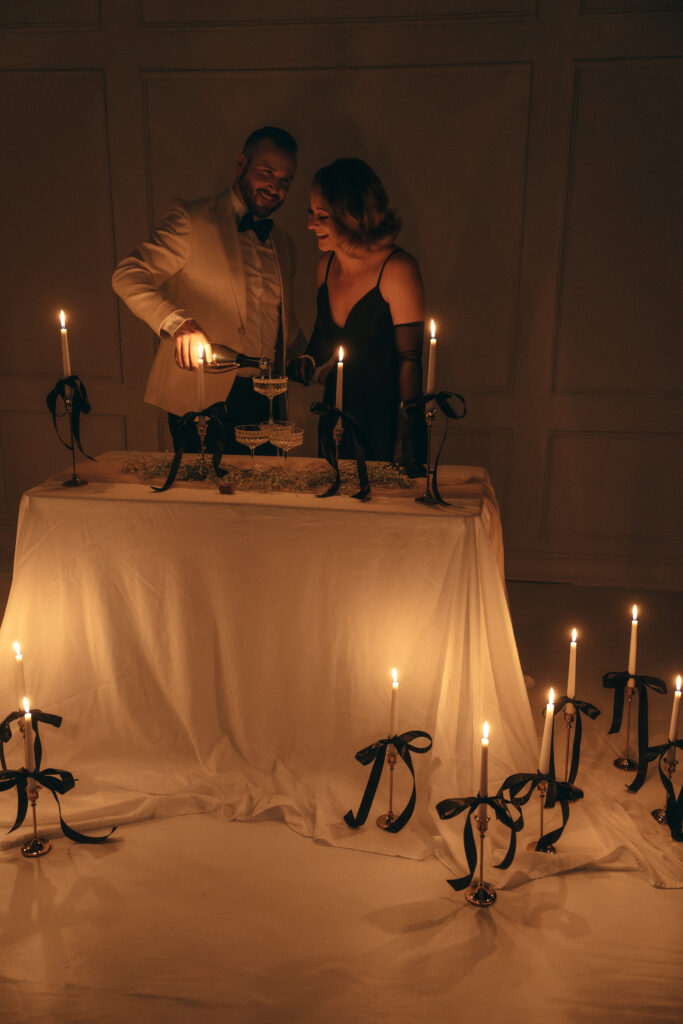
point(533, 148)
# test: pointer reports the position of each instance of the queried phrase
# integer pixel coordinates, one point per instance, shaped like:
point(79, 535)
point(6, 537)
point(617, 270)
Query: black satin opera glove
point(301, 370)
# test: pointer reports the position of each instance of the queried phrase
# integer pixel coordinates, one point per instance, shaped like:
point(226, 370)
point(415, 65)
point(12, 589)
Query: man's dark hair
point(278, 136)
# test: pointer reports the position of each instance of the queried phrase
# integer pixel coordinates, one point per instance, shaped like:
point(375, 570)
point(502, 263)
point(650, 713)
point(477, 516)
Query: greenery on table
point(285, 477)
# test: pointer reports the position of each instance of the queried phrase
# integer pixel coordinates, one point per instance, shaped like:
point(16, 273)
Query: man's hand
point(187, 340)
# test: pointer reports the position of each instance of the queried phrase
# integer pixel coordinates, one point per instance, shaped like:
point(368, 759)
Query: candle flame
point(432, 327)
point(27, 706)
point(678, 684)
point(573, 636)
point(17, 651)
point(341, 354)
point(200, 353)
point(394, 676)
point(485, 731)
point(62, 318)
point(635, 613)
point(551, 696)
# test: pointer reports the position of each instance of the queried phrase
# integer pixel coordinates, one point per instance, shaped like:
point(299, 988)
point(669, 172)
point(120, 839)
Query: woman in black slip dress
point(370, 301)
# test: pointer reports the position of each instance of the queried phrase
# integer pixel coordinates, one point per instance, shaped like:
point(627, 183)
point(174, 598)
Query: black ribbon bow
point(520, 787)
point(673, 809)
point(55, 780)
point(79, 404)
point(185, 434)
point(375, 754)
point(618, 682)
point(36, 716)
point(443, 400)
point(582, 708)
point(328, 420)
point(261, 228)
point(453, 806)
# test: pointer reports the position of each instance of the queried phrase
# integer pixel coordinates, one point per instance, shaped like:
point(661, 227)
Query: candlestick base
point(669, 768)
point(36, 847)
point(385, 821)
point(429, 498)
point(481, 895)
point(532, 848)
point(75, 481)
point(625, 764)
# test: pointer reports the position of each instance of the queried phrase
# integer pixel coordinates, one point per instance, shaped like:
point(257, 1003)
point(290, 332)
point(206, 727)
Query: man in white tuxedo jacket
point(219, 272)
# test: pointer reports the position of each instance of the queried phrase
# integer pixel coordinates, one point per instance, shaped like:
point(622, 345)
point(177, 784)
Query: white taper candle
point(544, 759)
point(64, 338)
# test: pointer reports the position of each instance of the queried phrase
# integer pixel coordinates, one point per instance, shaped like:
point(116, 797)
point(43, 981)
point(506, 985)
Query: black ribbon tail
point(356, 820)
point(642, 741)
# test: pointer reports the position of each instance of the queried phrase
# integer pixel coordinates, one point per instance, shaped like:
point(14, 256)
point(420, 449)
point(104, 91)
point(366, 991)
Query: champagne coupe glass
point(270, 387)
point(250, 435)
point(287, 437)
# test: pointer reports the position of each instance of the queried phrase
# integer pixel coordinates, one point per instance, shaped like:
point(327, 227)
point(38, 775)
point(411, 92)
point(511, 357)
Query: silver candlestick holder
point(429, 498)
point(626, 763)
point(481, 893)
point(386, 820)
point(76, 480)
point(35, 846)
point(669, 768)
point(533, 846)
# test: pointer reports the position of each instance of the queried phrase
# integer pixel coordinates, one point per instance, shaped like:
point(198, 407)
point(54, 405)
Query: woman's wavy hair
point(358, 203)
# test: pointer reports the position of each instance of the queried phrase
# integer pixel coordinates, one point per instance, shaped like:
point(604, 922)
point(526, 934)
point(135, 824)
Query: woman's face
point(320, 222)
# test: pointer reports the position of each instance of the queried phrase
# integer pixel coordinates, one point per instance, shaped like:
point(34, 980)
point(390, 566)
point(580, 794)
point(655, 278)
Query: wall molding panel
point(533, 150)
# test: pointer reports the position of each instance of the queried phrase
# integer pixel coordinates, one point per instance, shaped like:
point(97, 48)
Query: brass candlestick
point(385, 820)
point(35, 846)
point(569, 722)
point(75, 480)
point(481, 893)
point(542, 790)
point(626, 763)
point(428, 498)
point(669, 767)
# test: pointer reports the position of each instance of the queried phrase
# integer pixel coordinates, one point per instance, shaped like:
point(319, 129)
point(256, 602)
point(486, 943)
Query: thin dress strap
point(327, 271)
point(381, 269)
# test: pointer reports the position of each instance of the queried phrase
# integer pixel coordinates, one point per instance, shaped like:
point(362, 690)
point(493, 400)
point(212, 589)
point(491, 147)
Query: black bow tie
point(261, 228)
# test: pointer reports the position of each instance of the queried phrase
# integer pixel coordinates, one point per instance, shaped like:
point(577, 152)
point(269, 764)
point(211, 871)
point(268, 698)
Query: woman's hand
point(301, 370)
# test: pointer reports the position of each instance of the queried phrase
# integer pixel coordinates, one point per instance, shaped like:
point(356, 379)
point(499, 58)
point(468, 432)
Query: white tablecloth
point(235, 650)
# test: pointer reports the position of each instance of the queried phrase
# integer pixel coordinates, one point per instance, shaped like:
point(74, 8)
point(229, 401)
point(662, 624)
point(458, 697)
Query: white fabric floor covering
point(197, 919)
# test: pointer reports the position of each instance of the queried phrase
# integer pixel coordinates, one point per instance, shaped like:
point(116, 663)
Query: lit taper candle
point(484, 771)
point(571, 675)
point(340, 379)
point(64, 338)
point(431, 365)
point(393, 717)
point(28, 736)
point(633, 648)
point(544, 759)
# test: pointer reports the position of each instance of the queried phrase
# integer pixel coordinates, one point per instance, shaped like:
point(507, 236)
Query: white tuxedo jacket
point(192, 267)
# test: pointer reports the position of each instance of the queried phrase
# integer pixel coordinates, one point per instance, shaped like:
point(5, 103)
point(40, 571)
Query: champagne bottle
point(224, 359)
